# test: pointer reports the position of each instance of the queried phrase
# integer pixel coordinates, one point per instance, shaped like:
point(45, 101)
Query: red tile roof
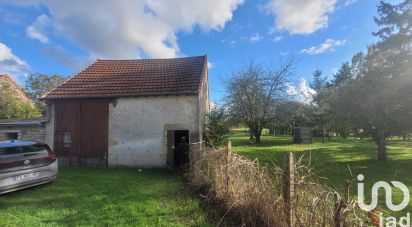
point(143, 77)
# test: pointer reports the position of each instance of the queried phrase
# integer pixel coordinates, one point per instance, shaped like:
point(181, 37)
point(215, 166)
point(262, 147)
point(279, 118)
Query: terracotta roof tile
point(120, 78)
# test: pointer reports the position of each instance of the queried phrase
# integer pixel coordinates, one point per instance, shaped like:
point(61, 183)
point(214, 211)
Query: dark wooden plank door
point(94, 117)
point(67, 133)
point(81, 131)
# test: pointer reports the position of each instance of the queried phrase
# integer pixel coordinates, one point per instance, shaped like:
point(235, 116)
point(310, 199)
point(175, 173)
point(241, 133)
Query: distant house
point(22, 129)
point(128, 112)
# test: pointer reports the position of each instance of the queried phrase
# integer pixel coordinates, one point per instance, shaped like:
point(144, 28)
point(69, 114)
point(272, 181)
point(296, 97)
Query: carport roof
point(128, 78)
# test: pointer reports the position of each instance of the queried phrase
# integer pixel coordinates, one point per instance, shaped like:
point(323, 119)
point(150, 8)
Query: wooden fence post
point(341, 203)
point(289, 189)
point(347, 191)
point(228, 159)
point(338, 207)
point(229, 151)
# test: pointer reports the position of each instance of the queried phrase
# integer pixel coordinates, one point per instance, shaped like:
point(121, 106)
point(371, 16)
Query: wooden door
point(66, 136)
point(81, 131)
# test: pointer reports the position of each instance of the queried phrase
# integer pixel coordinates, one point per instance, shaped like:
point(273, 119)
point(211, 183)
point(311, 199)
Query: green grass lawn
point(105, 197)
point(333, 160)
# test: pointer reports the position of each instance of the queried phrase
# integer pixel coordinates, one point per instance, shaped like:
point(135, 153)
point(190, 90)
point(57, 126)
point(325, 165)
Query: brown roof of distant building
point(143, 77)
point(15, 89)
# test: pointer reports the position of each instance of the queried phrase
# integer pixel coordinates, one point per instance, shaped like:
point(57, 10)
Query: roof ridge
point(107, 78)
point(149, 59)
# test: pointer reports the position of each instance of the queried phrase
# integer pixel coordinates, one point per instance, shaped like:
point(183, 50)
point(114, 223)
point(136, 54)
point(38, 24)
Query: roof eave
point(119, 96)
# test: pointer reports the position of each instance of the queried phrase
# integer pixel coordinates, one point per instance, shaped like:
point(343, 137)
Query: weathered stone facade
point(138, 126)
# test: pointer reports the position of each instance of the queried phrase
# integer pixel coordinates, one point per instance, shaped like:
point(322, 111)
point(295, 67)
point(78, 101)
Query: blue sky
point(61, 37)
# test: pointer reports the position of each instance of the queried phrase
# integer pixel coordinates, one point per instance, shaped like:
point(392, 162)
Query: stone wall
point(138, 126)
point(49, 127)
point(25, 132)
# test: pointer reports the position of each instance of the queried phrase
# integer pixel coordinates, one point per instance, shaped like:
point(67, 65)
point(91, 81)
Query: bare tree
point(253, 93)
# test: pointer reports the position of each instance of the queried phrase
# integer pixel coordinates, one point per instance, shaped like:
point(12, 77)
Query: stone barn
point(128, 112)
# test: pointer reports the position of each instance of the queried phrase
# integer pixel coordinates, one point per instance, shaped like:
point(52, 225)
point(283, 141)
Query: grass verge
point(105, 197)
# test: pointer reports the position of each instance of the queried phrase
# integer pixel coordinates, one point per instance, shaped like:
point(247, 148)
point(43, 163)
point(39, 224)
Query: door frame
point(170, 144)
point(170, 140)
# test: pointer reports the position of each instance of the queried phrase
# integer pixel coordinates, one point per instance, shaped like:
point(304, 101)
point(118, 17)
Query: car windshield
point(33, 150)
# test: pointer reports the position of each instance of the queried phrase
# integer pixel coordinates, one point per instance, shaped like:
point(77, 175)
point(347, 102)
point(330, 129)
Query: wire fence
point(275, 195)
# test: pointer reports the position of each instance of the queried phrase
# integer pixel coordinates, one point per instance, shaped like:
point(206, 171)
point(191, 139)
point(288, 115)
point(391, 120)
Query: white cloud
point(277, 39)
point(35, 31)
point(328, 45)
point(135, 28)
point(271, 31)
point(184, 14)
point(10, 63)
point(291, 90)
point(230, 43)
point(350, 2)
point(209, 65)
point(255, 38)
point(301, 16)
point(300, 91)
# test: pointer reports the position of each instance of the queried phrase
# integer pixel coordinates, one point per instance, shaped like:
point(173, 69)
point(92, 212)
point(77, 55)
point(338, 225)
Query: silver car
point(25, 164)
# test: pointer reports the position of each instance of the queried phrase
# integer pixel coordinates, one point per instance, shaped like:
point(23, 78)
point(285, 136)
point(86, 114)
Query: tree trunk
point(250, 134)
point(382, 149)
point(381, 141)
point(323, 134)
point(257, 138)
point(257, 132)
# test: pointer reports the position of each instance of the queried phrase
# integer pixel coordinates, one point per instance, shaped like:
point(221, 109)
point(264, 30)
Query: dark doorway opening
point(12, 136)
point(181, 148)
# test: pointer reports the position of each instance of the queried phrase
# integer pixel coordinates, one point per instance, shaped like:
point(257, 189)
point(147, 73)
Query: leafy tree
point(379, 99)
point(11, 107)
point(288, 114)
point(38, 84)
point(343, 76)
point(216, 127)
point(320, 107)
point(387, 73)
point(358, 62)
point(395, 31)
point(319, 82)
point(253, 93)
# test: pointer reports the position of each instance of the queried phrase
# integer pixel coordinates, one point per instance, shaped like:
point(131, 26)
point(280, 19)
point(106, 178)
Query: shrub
point(216, 128)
